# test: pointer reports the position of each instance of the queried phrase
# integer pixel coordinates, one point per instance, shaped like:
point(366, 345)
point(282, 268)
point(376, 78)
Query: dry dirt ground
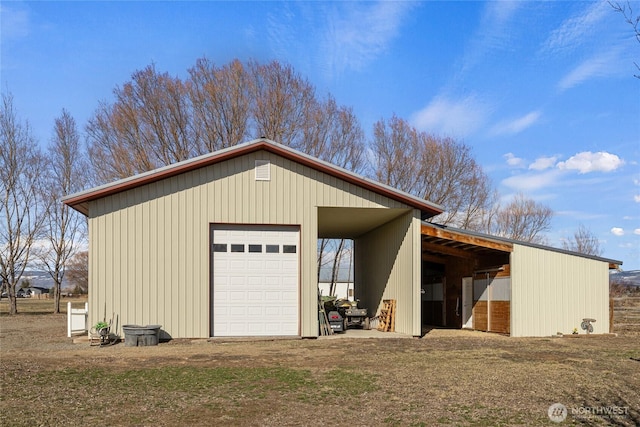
point(445, 378)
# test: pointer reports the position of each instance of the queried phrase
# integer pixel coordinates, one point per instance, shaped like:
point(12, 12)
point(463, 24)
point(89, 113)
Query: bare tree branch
point(627, 12)
point(583, 241)
point(64, 227)
point(22, 205)
point(523, 219)
point(440, 170)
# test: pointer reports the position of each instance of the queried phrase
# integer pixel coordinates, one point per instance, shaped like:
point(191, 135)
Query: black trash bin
point(141, 336)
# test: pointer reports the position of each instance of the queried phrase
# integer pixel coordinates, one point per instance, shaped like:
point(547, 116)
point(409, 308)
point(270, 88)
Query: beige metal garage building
point(226, 245)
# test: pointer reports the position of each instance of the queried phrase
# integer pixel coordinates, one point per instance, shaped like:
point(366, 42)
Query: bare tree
point(397, 154)
point(583, 241)
point(64, 227)
point(627, 12)
point(440, 170)
point(148, 126)
point(156, 120)
point(22, 206)
point(282, 102)
point(221, 104)
point(522, 219)
point(334, 134)
point(77, 271)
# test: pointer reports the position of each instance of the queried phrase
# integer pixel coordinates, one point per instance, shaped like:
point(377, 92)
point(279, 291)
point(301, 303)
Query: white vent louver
point(263, 170)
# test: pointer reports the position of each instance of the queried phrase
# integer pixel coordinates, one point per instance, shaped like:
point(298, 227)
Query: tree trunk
point(336, 266)
point(56, 297)
point(13, 302)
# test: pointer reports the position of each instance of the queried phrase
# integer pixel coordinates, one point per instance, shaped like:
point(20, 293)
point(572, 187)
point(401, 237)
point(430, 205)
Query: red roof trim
point(79, 202)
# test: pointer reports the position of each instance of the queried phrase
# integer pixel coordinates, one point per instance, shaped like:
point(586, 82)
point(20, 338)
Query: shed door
point(467, 302)
point(255, 280)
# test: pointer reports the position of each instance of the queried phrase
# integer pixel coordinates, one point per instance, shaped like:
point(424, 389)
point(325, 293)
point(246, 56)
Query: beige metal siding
point(149, 257)
point(552, 292)
point(387, 267)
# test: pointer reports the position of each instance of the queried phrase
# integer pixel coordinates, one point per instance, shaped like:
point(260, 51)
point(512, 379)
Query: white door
point(467, 302)
point(255, 281)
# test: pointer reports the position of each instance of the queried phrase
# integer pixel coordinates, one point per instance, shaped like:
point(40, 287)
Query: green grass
point(40, 305)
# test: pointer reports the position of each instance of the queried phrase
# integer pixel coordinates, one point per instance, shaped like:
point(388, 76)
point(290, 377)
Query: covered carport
point(385, 257)
point(477, 281)
point(465, 279)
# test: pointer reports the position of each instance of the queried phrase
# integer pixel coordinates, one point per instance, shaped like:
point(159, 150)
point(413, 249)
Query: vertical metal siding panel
point(552, 292)
point(160, 250)
point(172, 229)
point(153, 254)
point(181, 226)
point(137, 246)
point(225, 194)
point(289, 190)
point(416, 251)
point(128, 297)
point(384, 259)
point(205, 298)
point(191, 239)
point(96, 260)
point(145, 267)
point(309, 219)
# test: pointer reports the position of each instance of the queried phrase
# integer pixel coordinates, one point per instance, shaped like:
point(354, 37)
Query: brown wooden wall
point(480, 315)
point(500, 317)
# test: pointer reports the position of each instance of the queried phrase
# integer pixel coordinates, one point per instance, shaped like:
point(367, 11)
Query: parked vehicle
point(347, 313)
point(336, 321)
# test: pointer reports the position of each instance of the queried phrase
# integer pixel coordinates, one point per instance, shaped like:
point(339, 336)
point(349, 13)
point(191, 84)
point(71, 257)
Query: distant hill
point(631, 277)
point(39, 279)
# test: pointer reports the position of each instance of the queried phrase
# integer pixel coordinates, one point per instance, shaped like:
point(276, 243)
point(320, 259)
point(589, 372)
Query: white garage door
point(255, 281)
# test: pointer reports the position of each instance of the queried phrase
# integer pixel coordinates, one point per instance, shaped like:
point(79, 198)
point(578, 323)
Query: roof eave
point(79, 201)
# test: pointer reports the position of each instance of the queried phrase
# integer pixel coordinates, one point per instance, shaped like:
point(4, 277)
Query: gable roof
point(80, 201)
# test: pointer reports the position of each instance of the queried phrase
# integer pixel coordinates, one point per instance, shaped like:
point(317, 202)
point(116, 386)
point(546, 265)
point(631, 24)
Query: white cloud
point(542, 163)
point(532, 181)
point(575, 30)
point(15, 22)
point(617, 231)
point(587, 161)
point(636, 198)
point(452, 117)
point(517, 125)
point(357, 33)
point(636, 231)
point(513, 161)
point(604, 64)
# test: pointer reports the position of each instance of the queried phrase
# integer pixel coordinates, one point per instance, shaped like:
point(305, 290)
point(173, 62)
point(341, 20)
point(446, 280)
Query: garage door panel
point(255, 292)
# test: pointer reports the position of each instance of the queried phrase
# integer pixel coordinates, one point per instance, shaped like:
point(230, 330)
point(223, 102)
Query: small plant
point(575, 331)
point(101, 325)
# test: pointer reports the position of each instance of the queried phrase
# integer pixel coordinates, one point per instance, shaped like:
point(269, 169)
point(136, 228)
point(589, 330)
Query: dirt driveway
point(445, 378)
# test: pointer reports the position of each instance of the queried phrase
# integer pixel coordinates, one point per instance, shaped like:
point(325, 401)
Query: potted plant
point(102, 328)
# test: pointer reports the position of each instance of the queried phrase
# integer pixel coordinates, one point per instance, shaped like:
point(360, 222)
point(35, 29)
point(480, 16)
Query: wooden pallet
point(325, 328)
point(387, 317)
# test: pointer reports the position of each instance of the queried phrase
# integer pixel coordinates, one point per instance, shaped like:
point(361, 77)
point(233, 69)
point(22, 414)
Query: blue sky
point(543, 91)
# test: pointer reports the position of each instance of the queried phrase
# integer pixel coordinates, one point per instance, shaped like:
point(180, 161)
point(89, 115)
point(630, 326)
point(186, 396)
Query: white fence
point(77, 319)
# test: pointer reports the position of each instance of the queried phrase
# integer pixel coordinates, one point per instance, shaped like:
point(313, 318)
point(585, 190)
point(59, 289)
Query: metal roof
point(451, 239)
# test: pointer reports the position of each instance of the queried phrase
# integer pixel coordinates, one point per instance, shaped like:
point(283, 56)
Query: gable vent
point(263, 170)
